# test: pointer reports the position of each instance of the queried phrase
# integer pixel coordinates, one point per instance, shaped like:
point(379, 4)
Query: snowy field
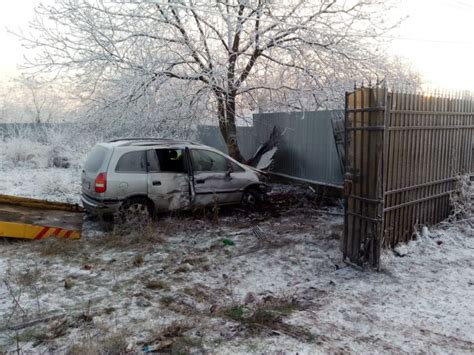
point(198, 283)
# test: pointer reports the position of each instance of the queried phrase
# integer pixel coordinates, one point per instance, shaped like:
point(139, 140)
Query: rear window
point(95, 159)
point(132, 162)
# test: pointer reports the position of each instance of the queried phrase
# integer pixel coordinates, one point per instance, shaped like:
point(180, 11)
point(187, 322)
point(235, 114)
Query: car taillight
point(101, 182)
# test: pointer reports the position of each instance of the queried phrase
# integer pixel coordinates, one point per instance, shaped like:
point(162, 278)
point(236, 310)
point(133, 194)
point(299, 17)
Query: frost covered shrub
point(460, 200)
point(58, 146)
point(21, 152)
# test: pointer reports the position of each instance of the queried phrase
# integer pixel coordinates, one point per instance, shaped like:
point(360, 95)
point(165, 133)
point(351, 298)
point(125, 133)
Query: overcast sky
point(437, 38)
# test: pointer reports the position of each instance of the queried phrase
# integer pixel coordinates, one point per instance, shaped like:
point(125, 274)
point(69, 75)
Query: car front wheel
point(252, 198)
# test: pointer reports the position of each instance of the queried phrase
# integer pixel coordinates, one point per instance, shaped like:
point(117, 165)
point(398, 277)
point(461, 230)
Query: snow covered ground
point(27, 169)
point(186, 284)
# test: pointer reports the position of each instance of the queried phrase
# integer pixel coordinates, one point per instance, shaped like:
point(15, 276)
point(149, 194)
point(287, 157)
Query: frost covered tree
point(227, 52)
point(26, 100)
point(110, 112)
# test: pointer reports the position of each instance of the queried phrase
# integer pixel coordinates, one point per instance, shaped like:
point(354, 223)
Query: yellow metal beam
point(41, 204)
point(31, 231)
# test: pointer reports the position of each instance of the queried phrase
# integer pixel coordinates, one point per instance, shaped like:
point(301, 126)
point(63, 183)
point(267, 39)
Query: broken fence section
point(405, 155)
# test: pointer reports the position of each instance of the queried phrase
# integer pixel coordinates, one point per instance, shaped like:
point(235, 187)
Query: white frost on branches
point(222, 58)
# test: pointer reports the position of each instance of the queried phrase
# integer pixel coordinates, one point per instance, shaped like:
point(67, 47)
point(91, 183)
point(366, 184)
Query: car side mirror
point(228, 172)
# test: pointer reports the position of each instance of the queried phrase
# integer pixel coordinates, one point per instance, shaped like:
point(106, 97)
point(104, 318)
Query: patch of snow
point(421, 302)
point(52, 184)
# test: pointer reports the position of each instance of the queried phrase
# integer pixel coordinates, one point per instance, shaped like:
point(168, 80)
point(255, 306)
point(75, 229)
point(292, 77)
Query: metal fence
point(405, 155)
point(307, 150)
point(246, 139)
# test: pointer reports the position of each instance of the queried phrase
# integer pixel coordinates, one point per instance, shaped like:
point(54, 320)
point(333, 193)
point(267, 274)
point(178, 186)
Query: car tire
point(252, 199)
point(136, 210)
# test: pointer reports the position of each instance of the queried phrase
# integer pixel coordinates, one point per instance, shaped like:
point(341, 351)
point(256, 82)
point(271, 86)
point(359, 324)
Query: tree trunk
point(226, 115)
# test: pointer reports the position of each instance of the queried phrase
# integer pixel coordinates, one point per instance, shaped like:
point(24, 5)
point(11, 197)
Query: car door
point(168, 179)
point(216, 178)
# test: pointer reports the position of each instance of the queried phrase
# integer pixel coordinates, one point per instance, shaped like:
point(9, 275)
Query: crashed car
point(139, 177)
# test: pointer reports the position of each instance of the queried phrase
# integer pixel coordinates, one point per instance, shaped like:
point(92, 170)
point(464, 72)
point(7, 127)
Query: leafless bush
point(460, 200)
point(58, 246)
point(138, 260)
point(172, 339)
point(22, 282)
point(114, 343)
point(126, 236)
point(267, 316)
point(45, 146)
point(84, 348)
point(157, 285)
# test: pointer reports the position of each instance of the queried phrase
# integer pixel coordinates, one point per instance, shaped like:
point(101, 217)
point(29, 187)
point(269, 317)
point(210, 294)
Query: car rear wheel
point(135, 211)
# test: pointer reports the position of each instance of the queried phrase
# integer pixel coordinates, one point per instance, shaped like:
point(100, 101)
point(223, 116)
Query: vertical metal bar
point(411, 165)
point(358, 173)
point(406, 168)
point(346, 238)
point(390, 220)
point(431, 161)
point(445, 152)
point(365, 171)
point(424, 172)
point(398, 170)
point(380, 192)
point(438, 158)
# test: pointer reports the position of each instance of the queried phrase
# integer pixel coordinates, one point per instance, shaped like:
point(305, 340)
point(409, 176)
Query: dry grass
point(267, 317)
point(157, 285)
point(172, 339)
point(58, 246)
point(138, 260)
point(124, 237)
point(192, 260)
point(166, 300)
point(199, 293)
point(84, 348)
point(29, 277)
point(114, 343)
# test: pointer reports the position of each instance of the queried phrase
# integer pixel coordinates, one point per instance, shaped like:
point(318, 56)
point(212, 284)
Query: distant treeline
point(20, 129)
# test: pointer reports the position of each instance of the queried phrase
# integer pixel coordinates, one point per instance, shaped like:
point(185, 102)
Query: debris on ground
point(172, 287)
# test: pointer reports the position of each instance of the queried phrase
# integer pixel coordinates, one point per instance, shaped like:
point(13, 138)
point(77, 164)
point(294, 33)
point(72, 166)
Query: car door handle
point(200, 181)
point(156, 183)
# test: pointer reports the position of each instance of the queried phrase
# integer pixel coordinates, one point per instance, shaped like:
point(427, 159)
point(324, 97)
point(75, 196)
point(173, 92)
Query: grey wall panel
point(307, 149)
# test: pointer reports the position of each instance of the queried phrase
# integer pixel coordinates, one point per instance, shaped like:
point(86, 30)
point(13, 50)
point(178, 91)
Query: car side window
point(152, 161)
point(236, 168)
point(132, 162)
point(205, 160)
point(171, 160)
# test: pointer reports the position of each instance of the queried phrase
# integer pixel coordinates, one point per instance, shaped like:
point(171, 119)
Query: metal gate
point(405, 156)
point(364, 145)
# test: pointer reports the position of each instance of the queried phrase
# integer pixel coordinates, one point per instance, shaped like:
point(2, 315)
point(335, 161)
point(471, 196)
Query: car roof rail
point(137, 139)
point(140, 139)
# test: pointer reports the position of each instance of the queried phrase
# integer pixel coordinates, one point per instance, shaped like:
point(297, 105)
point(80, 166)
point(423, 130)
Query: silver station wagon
point(138, 177)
